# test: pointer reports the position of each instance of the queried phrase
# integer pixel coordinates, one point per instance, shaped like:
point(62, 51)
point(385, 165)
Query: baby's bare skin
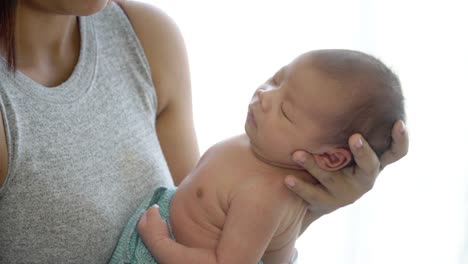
point(227, 174)
point(234, 207)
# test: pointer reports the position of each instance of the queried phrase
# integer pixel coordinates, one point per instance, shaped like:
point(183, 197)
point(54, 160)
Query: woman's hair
point(7, 31)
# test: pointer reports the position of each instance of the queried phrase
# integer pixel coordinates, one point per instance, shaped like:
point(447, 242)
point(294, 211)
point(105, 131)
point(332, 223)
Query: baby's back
point(202, 202)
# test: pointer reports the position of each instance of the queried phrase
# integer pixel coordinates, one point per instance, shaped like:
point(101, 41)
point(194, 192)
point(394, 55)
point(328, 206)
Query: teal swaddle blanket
point(130, 248)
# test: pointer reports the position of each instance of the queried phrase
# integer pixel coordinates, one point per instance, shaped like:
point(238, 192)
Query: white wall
point(417, 212)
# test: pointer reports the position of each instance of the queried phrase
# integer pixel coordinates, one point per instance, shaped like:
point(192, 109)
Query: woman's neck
point(46, 41)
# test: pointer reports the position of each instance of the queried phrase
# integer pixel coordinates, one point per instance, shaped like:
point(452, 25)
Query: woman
point(92, 95)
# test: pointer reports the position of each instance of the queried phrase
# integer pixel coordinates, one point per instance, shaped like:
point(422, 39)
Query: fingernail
point(290, 182)
point(299, 157)
point(358, 143)
point(402, 128)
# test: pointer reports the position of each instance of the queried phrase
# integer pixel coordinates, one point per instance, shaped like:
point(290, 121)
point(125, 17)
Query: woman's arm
point(3, 153)
point(165, 51)
point(344, 187)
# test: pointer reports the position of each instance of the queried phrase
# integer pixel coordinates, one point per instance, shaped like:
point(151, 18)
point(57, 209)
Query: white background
point(417, 211)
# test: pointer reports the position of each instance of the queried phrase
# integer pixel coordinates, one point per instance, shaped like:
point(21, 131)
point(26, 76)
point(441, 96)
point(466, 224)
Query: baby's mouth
point(251, 118)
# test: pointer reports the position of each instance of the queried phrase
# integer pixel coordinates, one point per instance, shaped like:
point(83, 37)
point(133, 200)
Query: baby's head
point(318, 101)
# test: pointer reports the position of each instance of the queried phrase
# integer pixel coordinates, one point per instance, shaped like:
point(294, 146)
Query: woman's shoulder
point(165, 52)
point(164, 48)
point(147, 19)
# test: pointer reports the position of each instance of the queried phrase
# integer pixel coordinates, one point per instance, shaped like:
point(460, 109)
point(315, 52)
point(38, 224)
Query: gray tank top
point(82, 155)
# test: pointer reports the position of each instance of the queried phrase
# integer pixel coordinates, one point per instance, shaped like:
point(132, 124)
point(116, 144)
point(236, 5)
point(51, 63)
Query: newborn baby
point(234, 207)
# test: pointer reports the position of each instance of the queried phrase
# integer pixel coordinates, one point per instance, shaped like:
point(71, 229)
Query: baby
point(234, 207)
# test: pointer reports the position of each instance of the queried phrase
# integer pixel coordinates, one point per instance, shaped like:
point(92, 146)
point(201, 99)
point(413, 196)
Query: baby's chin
point(287, 164)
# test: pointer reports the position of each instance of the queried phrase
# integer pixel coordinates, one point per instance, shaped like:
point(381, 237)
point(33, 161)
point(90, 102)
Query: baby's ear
point(334, 159)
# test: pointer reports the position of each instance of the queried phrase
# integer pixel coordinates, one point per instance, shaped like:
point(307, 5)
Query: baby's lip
point(251, 117)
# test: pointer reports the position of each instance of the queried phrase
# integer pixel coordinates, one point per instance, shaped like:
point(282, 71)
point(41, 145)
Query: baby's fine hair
point(378, 100)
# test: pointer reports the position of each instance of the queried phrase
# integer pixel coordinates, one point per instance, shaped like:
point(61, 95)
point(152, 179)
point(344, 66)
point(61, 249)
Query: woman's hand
point(340, 188)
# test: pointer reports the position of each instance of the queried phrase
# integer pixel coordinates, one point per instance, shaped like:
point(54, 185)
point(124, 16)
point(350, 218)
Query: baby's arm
point(251, 222)
point(154, 232)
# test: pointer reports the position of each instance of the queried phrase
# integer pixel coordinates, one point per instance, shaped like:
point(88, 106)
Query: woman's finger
point(400, 144)
point(309, 192)
point(306, 160)
point(365, 158)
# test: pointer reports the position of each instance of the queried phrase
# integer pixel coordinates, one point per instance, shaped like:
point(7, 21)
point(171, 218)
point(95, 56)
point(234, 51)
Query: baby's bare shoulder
point(230, 146)
point(233, 153)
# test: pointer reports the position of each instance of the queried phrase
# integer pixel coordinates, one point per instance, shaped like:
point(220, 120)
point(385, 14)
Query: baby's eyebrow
point(279, 72)
point(289, 99)
point(283, 69)
point(274, 78)
point(270, 79)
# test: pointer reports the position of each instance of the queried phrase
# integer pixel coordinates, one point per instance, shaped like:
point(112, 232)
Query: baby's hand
point(152, 227)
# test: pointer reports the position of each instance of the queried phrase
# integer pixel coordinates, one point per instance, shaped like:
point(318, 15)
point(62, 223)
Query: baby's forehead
point(339, 64)
point(349, 76)
point(331, 97)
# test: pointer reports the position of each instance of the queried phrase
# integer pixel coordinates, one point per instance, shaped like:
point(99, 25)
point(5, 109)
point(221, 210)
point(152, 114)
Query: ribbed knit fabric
point(82, 155)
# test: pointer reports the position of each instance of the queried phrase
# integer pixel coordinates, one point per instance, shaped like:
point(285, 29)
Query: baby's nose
point(261, 95)
point(260, 91)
